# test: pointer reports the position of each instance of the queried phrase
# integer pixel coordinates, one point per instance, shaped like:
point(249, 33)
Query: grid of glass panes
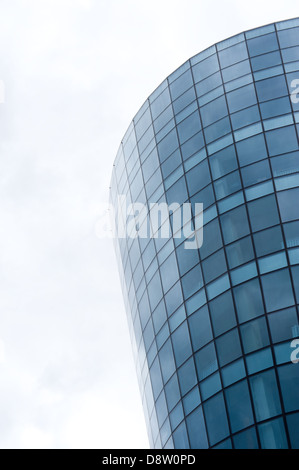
point(212, 328)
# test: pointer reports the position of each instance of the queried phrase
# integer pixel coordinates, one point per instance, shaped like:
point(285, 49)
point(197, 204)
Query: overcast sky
point(76, 72)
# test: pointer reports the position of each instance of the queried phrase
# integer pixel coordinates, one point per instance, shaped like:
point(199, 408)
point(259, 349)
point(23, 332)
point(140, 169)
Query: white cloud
point(2, 352)
point(35, 438)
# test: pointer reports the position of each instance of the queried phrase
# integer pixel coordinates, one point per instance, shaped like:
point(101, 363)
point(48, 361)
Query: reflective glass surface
point(212, 328)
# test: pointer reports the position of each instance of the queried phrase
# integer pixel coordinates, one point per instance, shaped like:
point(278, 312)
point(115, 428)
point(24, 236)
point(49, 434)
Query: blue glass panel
point(180, 437)
point(263, 213)
point(187, 376)
point(167, 361)
point(197, 430)
point(293, 424)
point(210, 386)
point(251, 150)
point(235, 224)
point(192, 282)
point(266, 60)
point(262, 44)
point(233, 373)
point(200, 328)
point(198, 177)
point(189, 127)
point(228, 347)
point(239, 406)
point(179, 86)
point(223, 313)
point(214, 111)
point(240, 252)
point(245, 117)
point(177, 416)
point(181, 344)
point(265, 395)
point(172, 392)
point(246, 440)
point(255, 335)
point(216, 419)
point(275, 107)
point(272, 435)
point(206, 361)
point(289, 211)
point(282, 140)
point(238, 70)
point(289, 382)
point(233, 54)
point(205, 68)
point(282, 325)
point(289, 37)
point(249, 302)
point(268, 241)
point(217, 287)
point(192, 400)
point(278, 290)
point(210, 83)
point(271, 88)
point(259, 361)
point(241, 98)
point(223, 162)
point(214, 266)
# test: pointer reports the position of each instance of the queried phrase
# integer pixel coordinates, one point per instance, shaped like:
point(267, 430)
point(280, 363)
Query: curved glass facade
point(212, 328)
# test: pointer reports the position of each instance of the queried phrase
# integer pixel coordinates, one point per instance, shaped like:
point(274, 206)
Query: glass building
point(212, 328)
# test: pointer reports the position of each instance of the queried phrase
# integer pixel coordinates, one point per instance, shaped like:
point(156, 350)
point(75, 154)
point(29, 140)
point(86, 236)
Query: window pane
point(239, 406)
point(246, 440)
point(206, 361)
point(278, 290)
point(214, 111)
point(269, 241)
point(282, 140)
point(289, 381)
point(205, 68)
point(167, 361)
point(235, 224)
point(192, 282)
point(293, 425)
point(272, 435)
point(282, 325)
point(172, 392)
point(198, 178)
point(223, 162)
point(252, 150)
point(180, 437)
point(249, 301)
point(200, 328)
point(263, 213)
point(233, 54)
point(181, 344)
point(216, 419)
point(228, 347)
point(223, 313)
point(187, 376)
point(241, 98)
point(187, 259)
point(289, 211)
point(265, 395)
point(262, 44)
point(271, 88)
point(197, 430)
point(255, 335)
point(240, 252)
point(214, 266)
